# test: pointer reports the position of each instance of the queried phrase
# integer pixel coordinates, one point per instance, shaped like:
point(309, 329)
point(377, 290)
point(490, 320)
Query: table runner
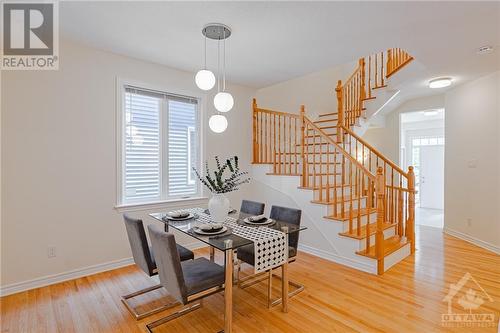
point(270, 245)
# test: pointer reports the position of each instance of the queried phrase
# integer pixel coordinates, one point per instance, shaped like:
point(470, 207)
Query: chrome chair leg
point(298, 289)
point(177, 314)
point(138, 316)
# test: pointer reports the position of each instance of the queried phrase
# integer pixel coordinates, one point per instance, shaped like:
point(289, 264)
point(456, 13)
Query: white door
point(432, 176)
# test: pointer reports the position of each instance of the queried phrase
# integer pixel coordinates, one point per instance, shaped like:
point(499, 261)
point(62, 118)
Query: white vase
point(218, 206)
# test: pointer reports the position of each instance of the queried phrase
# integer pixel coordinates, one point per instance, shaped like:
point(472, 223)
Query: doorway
point(422, 146)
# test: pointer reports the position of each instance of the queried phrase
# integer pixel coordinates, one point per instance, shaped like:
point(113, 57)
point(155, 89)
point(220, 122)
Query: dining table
point(228, 242)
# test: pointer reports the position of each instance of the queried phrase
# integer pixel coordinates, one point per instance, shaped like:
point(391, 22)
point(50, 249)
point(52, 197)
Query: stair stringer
point(334, 247)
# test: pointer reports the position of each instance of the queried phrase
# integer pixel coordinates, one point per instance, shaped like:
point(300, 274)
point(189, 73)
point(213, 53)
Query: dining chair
point(246, 254)
point(187, 281)
point(252, 207)
point(144, 258)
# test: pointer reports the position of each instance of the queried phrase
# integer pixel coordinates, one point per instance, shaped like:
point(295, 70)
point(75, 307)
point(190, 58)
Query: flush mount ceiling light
point(431, 113)
point(485, 49)
point(440, 83)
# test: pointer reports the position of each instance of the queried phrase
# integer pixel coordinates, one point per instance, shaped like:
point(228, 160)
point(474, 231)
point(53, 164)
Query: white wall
point(472, 129)
point(58, 159)
point(386, 139)
point(316, 91)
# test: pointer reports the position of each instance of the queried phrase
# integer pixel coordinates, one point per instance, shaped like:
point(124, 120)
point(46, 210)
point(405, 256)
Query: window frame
point(121, 84)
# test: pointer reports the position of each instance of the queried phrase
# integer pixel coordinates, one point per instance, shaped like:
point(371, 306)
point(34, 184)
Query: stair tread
point(328, 114)
point(364, 211)
point(339, 199)
point(324, 121)
point(317, 187)
point(391, 245)
point(362, 230)
point(283, 174)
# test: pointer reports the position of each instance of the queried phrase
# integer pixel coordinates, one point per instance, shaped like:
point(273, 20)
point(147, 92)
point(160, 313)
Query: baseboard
point(61, 277)
point(473, 240)
point(339, 259)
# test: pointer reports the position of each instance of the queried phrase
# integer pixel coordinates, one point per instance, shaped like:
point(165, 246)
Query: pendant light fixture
point(223, 100)
point(205, 79)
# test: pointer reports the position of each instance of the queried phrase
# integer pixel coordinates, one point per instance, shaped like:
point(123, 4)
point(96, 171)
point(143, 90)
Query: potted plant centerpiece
point(227, 178)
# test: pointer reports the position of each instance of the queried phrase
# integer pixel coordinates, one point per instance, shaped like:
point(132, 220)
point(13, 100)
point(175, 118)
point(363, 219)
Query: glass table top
point(227, 240)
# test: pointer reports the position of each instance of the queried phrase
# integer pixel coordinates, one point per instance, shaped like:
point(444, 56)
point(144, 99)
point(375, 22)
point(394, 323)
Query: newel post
point(379, 236)
point(410, 224)
point(363, 79)
point(340, 111)
point(254, 136)
point(302, 144)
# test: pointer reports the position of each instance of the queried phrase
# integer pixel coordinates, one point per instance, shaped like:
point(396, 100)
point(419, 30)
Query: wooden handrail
point(375, 151)
point(291, 115)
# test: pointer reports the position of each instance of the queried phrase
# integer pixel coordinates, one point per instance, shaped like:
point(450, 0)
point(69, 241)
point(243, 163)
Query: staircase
point(368, 197)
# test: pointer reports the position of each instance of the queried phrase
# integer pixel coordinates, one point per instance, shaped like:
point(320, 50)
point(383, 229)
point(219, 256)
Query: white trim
point(473, 240)
point(178, 203)
point(372, 269)
point(60, 277)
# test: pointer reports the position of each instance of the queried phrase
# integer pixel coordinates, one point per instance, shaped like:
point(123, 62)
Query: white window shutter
point(183, 148)
point(142, 148)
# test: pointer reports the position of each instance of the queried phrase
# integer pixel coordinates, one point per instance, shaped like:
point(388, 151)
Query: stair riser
point(363, 219)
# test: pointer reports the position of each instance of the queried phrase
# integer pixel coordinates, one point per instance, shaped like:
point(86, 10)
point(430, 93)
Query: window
point(161, 144)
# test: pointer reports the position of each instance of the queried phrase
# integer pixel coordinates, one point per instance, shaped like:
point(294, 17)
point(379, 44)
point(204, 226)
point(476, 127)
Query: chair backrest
point(168, 262)
point(289, 215)
point(139, 244)
point(252, 207)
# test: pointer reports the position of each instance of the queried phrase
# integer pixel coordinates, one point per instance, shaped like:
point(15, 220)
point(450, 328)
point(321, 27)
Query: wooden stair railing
point(354, 187)
point(371, 73)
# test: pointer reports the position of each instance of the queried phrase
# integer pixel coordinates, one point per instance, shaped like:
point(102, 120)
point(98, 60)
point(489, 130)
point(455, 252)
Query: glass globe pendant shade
point(223, 101)
point(217, 123)
point(205, 79)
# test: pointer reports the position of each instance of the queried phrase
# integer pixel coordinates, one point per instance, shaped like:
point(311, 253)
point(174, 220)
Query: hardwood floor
point(407, 298)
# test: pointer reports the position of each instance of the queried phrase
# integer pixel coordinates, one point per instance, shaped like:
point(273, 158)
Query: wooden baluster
point(376, 70)
point(302, 145)
point(358, 183)
point(267, 119)
point(410, 224)
point(328, 171)
point(389, 62)
point(400, 207)
point(369, 204)
point(262, 144)
point(340, 112)
point(289, 145)
point(351, 195)
point(369, 76)
point(342, 197)
point(279, 144)
point(254, 131)
point(295, 145)
point(314, 158)
point(379, 236)
point(321, 168)
point(335, 188)
point(273, 140)
point(382, 67)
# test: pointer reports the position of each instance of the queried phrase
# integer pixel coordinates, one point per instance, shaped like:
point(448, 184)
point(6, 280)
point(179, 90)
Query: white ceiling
point(277, 41)
point(424, 115)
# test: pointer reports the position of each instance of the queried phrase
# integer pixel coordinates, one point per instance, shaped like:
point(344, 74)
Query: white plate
point(190, 216)
point(268, 222)
point(201, 232)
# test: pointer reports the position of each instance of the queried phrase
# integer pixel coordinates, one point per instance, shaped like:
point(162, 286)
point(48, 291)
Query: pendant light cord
point(218, 65)
point(205, 52)
point(224, 62)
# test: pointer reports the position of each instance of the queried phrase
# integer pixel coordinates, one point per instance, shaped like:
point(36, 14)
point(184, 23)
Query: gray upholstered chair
point(143, 257)
point(246, 253)
point(187, 281)
point(252, 207)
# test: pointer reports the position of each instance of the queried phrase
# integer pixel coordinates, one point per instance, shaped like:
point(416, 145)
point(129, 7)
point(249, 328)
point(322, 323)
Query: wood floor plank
point(407, 298)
